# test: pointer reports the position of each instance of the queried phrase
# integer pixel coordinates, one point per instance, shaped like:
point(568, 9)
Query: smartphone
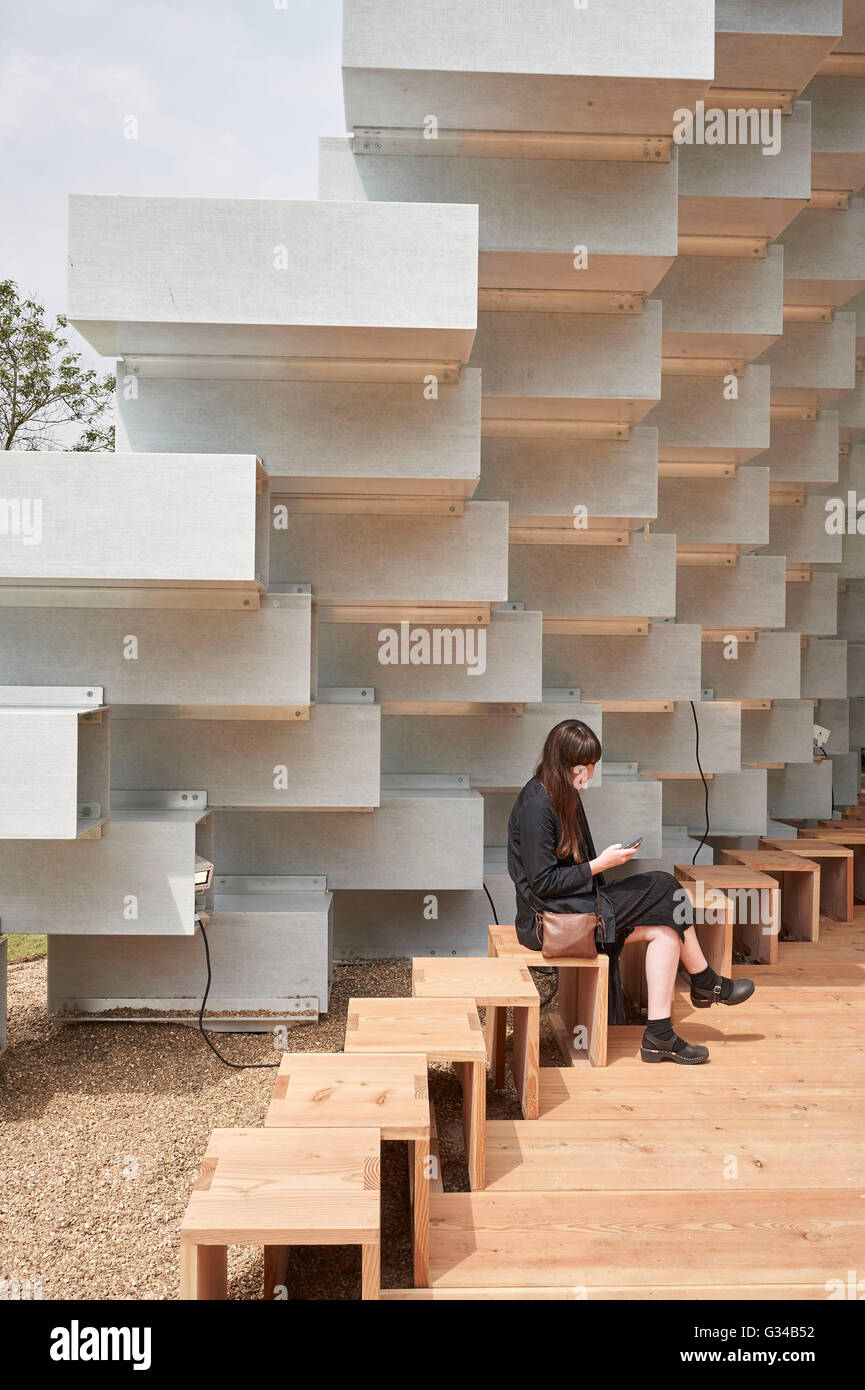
point(635, 844)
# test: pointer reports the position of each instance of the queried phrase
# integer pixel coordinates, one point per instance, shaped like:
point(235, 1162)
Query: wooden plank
point(667, 1155)
point(547, 301)
point(492, 1239)
point(423, 614)
point(596, 627)
point(500, 428)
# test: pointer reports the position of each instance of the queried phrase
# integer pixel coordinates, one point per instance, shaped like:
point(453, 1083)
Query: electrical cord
point(235, 1066)
point(492, 905)
point(705, 783)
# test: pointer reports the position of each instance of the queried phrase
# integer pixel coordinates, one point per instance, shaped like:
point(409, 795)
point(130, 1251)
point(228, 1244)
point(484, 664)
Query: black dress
point(544, 882)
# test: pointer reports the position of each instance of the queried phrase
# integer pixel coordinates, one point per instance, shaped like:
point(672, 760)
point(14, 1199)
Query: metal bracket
point(425, 781)
point(620, 771)
point(270, 883)
point(52, 696)
point(159, 800)
point(346, 695)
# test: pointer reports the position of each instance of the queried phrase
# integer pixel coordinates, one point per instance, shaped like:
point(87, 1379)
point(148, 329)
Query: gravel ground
point(102, 1127)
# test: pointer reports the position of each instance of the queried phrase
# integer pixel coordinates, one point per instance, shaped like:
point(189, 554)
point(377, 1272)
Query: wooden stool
point(837, 834)
point(320, 1089)
point(443, 1030)
point(583, 986)
point(498, 985)
point(799, 881)
point(836, 873)
point(278, 1188)
point(758, 933)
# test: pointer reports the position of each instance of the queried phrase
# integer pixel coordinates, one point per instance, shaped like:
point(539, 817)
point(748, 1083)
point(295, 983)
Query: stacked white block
point(54, 761)
point(97, 521)
point(270, 958)
point(187, 286)
point(138, 878)
point(611, 67)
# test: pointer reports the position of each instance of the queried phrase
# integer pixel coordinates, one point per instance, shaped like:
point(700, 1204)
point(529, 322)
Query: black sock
point(661, 1033)
point(708, 979)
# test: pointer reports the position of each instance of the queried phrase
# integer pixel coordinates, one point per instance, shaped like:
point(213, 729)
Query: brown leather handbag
point(569, 933)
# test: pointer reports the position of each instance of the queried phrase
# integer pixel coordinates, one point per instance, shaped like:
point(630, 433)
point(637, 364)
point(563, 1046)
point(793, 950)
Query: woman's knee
point(662, 933)
point(669, 881)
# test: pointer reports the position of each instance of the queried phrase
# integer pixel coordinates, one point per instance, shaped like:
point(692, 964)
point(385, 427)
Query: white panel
point(244, 275)
point(106, 516)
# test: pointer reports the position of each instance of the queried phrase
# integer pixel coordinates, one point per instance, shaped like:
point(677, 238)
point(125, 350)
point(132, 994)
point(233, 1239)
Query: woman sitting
point(554, 867)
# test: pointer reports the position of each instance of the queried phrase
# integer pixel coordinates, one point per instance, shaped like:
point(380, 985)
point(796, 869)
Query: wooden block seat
point(755, 926)
point(442, 1030)
point(497, 984)
point(799, 881)
point(836, 873)
point(837, 834)
point(582, 1011)
point(364, 1091)
point(278, 1188)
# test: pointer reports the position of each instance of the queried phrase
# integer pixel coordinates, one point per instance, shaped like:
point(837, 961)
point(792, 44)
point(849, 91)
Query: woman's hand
point(611, 858)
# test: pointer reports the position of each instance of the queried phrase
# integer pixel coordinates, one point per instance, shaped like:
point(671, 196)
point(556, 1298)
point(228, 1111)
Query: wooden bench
point(799, 881)
point(387, 1093)
point(582, 1002)
point(756, 933)
point(278, 1188)
point(497, 984)
point(835, 833)
point(836, 873)
point(442, 1030)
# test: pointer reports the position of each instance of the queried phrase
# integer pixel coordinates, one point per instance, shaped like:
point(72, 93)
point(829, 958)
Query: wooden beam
point(513, 144)
point(792, 412)
point(731, 98)
point(496, 428)
point(377, 504)
point(842, 65)
point(424, 614)
point(807, 313)
point(694, 468)
point(631, 706)
point(829, 199)
point(595, 627)
point(521, 535)
point(787, 497)
point(747, 247)
point(723, 634)
point(458, 708)
point(620, 303)
point(703, 366)
point(720, 556)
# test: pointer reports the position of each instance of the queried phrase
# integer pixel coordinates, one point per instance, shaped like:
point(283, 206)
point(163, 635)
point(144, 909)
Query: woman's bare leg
point(692, 955)
point(663, 953)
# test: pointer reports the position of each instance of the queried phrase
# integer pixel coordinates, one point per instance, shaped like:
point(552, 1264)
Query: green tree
point(43, 383)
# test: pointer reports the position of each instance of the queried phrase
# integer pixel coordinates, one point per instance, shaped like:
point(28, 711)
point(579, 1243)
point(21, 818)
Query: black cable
point(235, 1066)
point(492, 905)
point(705, 783)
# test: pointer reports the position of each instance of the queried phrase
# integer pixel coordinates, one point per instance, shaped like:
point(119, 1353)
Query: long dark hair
point(570, 744)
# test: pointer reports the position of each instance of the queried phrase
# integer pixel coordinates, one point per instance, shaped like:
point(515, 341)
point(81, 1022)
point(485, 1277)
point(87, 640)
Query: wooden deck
point(740, 1179)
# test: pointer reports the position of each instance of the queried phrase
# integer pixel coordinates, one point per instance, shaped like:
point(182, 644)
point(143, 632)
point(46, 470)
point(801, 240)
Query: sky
point(228, 98)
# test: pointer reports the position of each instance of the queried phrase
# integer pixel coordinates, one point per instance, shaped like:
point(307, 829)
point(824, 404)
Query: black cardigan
point(544, 881)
